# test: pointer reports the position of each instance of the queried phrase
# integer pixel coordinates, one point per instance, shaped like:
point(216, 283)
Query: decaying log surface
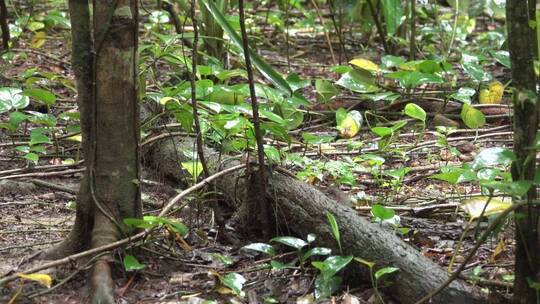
point(300, 209)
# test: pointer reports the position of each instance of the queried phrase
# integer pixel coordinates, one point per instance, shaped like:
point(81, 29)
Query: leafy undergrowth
point(414, 145)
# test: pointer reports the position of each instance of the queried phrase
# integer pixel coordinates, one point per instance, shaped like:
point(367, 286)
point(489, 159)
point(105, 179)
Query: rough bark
point(526, 109)
point(82, 59)
point(4, 25)
point(299, 209)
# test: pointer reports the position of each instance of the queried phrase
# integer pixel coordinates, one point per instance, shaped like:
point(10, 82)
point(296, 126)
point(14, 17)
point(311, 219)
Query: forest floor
point(34, 216)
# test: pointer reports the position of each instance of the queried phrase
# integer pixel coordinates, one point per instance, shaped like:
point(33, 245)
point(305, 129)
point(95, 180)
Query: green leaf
point(393, 14)
point(413, 79)
point(382, 131)
point(261, 247)
point(326, 287)
point(33, 157)
point(11, 98)
point(502, 57)
point(358, 81)
point(384, 271)
point(390, 61)
point(316, 251)
point(415, 111)
point(495, 156)
point(472, 117)
point(290, 241)
point(234, 281)
point(380, 212)
point(267, 71)
point(332, 265)
point(334, 228)
point(223, 259)
point(44, 96)
point(517, 188)
point(193, 168)
point(464, 95)
point(272, 153)
point(37, 137)
point(476, 72)
point(132, 264)
point(325, 90)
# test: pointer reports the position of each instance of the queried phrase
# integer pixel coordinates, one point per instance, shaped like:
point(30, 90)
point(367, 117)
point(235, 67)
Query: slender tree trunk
point(527, 268)
point(106, 72)
point(3, 24)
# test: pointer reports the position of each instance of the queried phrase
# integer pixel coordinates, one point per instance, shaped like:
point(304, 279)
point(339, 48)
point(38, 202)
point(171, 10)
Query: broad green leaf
point(393, 15)
point(413, 79)
point(11, 98)
point(517, 188)
point(33, 157)
point(358, 81)
point(325, 90)
point(326, 287)
point(234, 281)
point(290, 241)
point(464, 95)
point(502, 57)
point(44, 96)
point(261, 247)
point(272, 153)
point(474, 206)
point(380, 212)
point(415, 111)
point(382, 131)
point(390, 61)
point(495, 156)
point(42, 278)
point(332, 265)
point(316, 251)
point(132, 264)
point(476, 72)
point(267, 71)
point(472, 117)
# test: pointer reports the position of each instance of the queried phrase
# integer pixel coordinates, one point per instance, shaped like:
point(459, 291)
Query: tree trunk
point(520, 44)
point(4, 25)
point(299, 209)
point(107, 97)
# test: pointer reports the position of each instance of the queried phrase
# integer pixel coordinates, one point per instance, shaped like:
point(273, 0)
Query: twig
point(482, 239)
point(121, 242)
point(43, 174)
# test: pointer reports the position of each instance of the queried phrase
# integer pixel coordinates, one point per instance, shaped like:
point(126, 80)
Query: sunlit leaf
point(132, 264)
point(365, 64)
point(41, 278)
point(493, 94)
point(472, 117)
point(474, 206)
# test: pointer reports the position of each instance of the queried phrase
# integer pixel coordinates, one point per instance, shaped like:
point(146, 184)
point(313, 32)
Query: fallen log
point(301, 209)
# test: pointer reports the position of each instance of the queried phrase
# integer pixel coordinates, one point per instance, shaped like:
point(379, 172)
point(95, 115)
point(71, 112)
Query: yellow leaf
point(38, 40)
point(474, 206)
point(493, 94)
point(77, 138)
point(498, 250)
point(43, 279)
point(365, 64)
point(223, 290)
point(348, 127)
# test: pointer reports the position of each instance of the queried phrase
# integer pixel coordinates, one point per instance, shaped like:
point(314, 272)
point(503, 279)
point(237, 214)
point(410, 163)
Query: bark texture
point(4, 25)
point(299, 209)
point(526, 109)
